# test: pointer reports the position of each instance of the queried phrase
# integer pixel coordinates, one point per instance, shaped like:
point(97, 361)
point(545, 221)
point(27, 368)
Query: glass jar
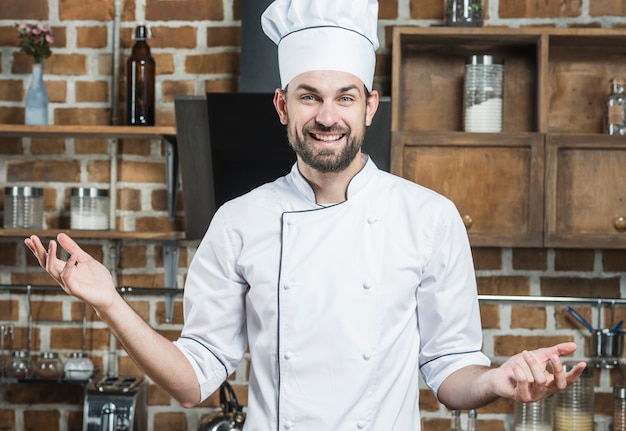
point(49, 366)
point(20, 366)
point(573, 406)
point(619, 408)
point(463, 13)
point(535, 416)
point(484, 76)
point(23, 208)
point(89, 208)
point(615, 114)
point(78, 367)
point(455, 421)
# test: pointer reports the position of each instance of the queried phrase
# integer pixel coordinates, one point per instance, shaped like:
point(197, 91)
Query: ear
point(280, 103)
point(371, 106)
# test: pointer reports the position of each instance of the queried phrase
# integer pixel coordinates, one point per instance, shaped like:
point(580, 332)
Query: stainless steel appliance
point(115, 404)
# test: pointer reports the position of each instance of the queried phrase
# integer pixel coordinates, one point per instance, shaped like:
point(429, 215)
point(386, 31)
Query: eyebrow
point(312, 89)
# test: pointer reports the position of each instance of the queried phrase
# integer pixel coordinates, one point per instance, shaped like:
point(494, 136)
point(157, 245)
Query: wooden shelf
point(92, 234)
point(128, 132)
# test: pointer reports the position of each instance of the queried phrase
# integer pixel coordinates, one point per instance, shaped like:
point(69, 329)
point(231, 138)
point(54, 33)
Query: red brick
point(528, 317)
point(92, 91)
point(581, 287)
point(419, 9)
point(82, 116)
point(223, 36)
point(607, 8)
point(530, 258)
point(184, 10)
point(509, 345)
point(614, 260)
point(573, 260)
point(503, 285)
point(25, 10)
point(184, 37)
point(91, 37)
point(224, 62)
point(12, 89)
point(43, 170)
point(98, 10)
point(534, 9)
point(487, 258)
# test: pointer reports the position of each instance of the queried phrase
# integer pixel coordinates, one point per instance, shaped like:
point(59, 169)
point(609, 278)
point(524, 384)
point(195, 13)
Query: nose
point(328, 115)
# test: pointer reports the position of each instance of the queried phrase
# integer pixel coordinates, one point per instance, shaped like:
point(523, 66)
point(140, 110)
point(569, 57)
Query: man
point(343, 281)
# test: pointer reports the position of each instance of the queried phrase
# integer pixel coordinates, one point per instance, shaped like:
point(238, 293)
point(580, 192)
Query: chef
point(343, 282)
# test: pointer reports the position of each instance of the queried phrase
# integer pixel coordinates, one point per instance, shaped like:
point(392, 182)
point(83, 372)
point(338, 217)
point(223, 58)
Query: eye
point(308, 98)
point(346, 99)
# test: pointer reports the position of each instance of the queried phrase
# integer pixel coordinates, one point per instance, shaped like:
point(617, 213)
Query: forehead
point(326, 81)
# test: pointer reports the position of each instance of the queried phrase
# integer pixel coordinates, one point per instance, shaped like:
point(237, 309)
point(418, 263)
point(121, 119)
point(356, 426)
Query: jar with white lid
point(89, 208)
point(23, 207)
point(78, 367)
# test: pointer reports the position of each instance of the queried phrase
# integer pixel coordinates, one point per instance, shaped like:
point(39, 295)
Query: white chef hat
point(336, 35)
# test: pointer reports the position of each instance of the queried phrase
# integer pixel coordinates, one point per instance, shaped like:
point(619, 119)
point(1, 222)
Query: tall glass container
point(484, 77)
point(535, 416)
point(615, 111)
point(573, 406)
point(619, 408)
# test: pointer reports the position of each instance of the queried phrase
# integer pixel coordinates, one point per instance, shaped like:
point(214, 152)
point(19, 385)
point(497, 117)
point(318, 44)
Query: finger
point(37, 248)
point(52, 262)
point(522, 383)
point(71, 246)
point(560, 377)
point(536, 369)
point(562, 349)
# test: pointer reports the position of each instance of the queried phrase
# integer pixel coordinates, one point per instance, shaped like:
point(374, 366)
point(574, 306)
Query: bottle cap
point(141, 32)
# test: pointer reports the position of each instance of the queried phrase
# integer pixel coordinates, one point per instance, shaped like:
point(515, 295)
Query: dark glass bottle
point(140, 71)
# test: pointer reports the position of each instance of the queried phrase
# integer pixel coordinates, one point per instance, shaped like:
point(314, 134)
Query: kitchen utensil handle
point(580, 318)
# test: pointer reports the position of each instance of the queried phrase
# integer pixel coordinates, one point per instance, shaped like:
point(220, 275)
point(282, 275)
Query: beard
point(326, 160)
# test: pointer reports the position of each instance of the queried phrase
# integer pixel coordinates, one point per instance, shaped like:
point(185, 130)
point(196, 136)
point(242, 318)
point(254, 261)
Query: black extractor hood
point(259, 58)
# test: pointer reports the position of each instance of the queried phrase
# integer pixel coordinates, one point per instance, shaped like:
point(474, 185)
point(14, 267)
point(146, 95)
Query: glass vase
point(37, 98)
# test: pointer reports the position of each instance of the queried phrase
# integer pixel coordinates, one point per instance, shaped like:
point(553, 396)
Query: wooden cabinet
point(585, 191)
point(555, 85)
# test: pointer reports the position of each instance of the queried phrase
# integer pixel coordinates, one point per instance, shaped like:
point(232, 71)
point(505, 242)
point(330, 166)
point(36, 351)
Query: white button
point(367, 285)
point(289, 425)
point(361, 424)
point(367, 356)
point(287, 286)
point(290, 222)
point(372, 220)
point(288, 355)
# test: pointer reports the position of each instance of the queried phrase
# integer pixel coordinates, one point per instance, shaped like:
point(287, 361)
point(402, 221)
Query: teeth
point(328, 138)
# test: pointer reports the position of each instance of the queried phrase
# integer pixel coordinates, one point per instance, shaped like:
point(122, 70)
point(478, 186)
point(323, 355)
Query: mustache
point(320, 128)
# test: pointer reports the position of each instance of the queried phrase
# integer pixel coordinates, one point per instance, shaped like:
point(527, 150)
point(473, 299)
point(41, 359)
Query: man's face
point(326, 113)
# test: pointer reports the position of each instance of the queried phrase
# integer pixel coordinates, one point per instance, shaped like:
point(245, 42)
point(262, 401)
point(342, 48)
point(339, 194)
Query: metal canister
point(23, 207)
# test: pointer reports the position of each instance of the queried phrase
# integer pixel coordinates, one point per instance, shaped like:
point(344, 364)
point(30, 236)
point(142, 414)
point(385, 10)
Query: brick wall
point(196, 47)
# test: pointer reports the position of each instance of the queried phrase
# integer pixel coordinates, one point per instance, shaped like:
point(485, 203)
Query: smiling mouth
point(326, 138)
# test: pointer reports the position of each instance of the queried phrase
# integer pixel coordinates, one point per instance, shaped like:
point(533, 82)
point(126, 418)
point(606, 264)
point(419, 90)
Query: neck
point(331, 187)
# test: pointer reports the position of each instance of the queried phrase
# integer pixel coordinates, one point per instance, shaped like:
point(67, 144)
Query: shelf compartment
point(428, 70)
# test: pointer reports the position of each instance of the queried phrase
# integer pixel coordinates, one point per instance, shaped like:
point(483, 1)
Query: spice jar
point(573, 406)
point(484, 75)
point(49, 366)
point(89, 208)
point(619, 408)
point(78, 367)
point(23, 208)
point(463, 13)
point(534, 416)
point(20, 365)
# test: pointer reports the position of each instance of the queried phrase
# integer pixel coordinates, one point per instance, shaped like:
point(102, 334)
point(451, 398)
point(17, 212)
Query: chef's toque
point(339, 35)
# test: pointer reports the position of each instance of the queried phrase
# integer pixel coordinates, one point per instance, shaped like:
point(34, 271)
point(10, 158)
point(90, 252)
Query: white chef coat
point(340, 306)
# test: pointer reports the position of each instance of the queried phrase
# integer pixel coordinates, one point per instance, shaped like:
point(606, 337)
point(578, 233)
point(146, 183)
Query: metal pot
point(231, 418)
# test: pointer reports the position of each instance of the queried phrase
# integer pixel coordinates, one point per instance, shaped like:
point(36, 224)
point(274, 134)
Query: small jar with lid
point(49, 366)
point(463, 13)
point(78, 367)
point(23, 207)
point(533, 416)
point(574, 405)
point(20, 366)
point(89, 208)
